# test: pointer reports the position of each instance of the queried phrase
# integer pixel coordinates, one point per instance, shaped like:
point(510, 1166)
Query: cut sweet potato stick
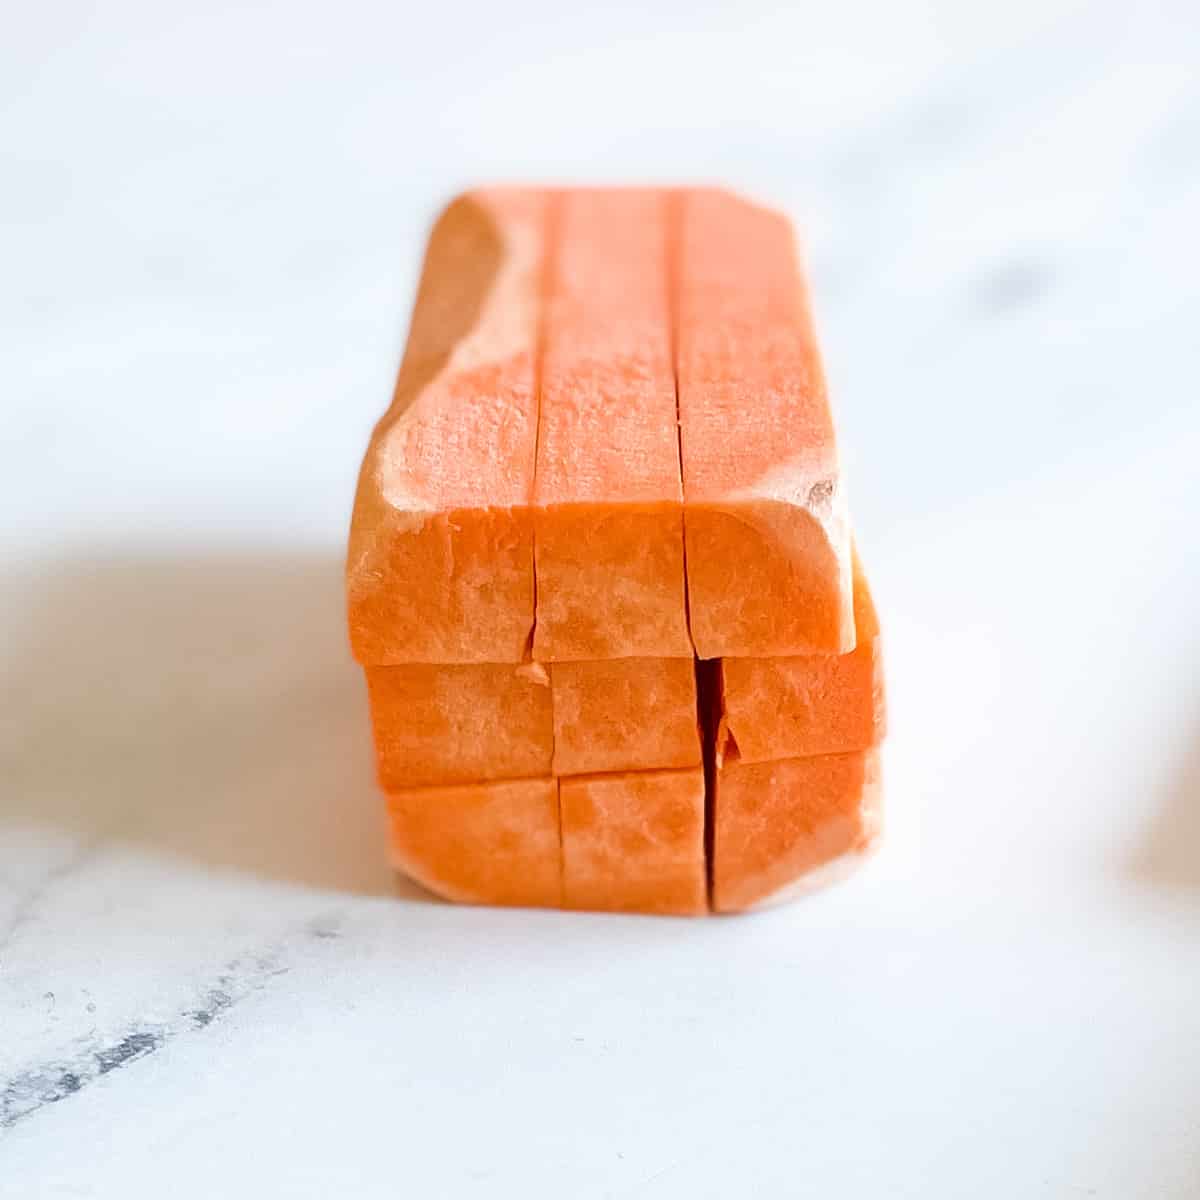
point(609, 534)
point(627, 714)
point(634, 842)
point(811, 704)
point(768, 538)
point(440, 565)
point(484, 843)
point(788, 826)
point(459, 724)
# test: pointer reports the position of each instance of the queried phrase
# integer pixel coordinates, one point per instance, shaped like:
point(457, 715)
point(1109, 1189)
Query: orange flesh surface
point(634, 842)
point(778, 821)
point(608, 524)
point(459, 724)
point(624, 715)
point(768, 550)
point(440, 564)
point(483, 843)
point(518, 586)
point(812, 704)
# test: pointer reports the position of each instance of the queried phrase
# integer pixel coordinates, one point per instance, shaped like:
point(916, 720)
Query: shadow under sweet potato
point(203, 705)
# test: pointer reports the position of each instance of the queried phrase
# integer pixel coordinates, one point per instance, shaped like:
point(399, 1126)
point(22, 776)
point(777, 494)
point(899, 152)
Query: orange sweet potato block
point(610, 451)
point(464, 723)
point(608, 524)
point(811, 704)
point(440, 562)
point(626, 714)
point(768, 537)
point(789, 826)
point(634, 842)
point(484, 843)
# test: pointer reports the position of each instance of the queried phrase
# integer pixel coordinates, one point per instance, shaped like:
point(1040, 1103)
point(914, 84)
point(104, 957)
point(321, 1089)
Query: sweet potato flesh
point(619, 653)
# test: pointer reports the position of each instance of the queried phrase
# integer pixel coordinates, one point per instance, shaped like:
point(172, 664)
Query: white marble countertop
point(211, 985)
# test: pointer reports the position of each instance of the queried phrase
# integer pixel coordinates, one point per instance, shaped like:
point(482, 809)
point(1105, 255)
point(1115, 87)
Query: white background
point(210, 222)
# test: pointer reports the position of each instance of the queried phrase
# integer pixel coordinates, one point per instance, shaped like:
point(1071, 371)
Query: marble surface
point(211, 985)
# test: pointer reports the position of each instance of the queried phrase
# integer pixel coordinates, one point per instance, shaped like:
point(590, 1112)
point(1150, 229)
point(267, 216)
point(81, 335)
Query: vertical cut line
point(708, 672)
point(551, 232)
point(709, 710)
point(673, 205)
point(553, 235)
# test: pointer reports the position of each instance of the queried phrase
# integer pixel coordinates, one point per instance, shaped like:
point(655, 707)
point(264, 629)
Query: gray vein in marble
point(52, 1080)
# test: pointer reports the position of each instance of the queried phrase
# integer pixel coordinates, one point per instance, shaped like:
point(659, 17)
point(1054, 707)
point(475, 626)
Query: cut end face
point(798, 707)
point(634, 842)
point(765, 579)
point(437, 725)
point(778, 822)
point(610, 583)
point(627, 714)
point(488, 843)
point(478, 605)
